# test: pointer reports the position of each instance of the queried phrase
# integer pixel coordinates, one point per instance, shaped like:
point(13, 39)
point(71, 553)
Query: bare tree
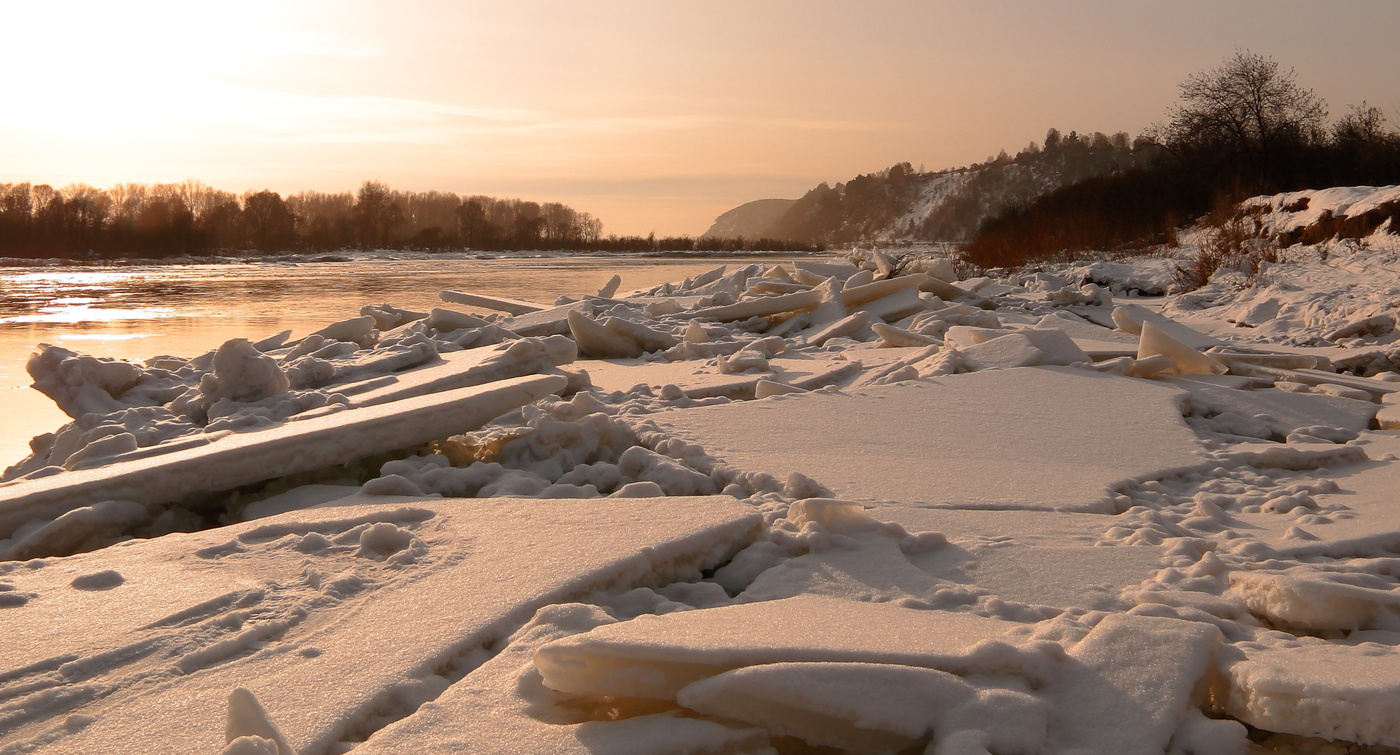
point(1248, 106)
point(1365, 124)
point(270, 225)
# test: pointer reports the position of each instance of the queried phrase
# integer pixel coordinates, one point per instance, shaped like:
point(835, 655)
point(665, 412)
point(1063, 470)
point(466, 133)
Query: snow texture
point(845, 503)
point(1040, 438)
point(288, 607)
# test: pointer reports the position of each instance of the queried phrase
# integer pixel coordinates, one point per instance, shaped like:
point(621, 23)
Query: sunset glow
point(651, 117)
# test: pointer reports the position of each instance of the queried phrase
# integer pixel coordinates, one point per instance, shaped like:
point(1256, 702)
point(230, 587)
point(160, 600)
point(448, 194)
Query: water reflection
point(101, 336)
point(139, 312)
point(83, 313)
point(67, 278)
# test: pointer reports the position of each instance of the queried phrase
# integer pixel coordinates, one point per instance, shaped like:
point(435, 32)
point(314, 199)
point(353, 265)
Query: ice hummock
point(1037, 513)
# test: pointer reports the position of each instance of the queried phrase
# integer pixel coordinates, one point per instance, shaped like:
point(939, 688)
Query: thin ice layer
point(1346, 691)
point(1281, 412)
point(1037, 438)
point(1063, 576)
point(1025, 527)
point(333, 618)
point(698, 379)
point(877, 567)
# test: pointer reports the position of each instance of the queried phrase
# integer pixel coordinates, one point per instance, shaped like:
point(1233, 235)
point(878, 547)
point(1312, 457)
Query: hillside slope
point(750, 220)
point(903, 204)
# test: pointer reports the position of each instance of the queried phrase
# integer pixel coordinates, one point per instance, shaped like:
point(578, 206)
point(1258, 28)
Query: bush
point(1230, 244)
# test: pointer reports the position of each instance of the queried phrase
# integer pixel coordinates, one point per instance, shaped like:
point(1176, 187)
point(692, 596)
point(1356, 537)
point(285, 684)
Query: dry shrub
point(1231, 244)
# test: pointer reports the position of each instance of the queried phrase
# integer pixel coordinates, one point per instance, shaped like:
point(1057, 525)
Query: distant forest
point(875, 205)
point(1239, 130)
point(190, 218)
point(1243, 129)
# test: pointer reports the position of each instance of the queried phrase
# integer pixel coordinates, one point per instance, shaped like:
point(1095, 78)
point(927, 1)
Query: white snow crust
point(800, 506)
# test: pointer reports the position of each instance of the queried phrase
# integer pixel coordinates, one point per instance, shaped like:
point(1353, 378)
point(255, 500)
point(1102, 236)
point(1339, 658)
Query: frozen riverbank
point(140, 310)
point(771, 507)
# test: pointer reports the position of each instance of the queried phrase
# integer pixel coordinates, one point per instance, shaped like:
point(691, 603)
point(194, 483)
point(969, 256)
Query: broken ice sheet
point(657, 656)
point(246, 458)
point(1034, 438)
point(461, 369)
point(312, 606)
point(858, 558)
point(1348, 691)
point(878, 678)
point(503, 708)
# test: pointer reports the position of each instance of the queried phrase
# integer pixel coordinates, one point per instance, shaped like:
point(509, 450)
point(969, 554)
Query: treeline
point(1243, 129)
point(876, 205)
point(990, 188)
point(190, 218)
point(852, 210)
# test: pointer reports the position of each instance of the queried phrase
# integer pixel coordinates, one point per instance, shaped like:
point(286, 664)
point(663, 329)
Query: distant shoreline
point(387, 254)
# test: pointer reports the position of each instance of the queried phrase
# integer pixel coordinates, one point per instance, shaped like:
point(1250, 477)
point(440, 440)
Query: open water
point(140, 311)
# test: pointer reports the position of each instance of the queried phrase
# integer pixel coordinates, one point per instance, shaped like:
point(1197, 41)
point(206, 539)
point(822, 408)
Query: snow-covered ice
point(808, 506)
point(1034, 438)
point(369, 610)
point(229, 461)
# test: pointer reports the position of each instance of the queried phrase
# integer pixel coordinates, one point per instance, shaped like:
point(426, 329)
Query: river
point(135, 312)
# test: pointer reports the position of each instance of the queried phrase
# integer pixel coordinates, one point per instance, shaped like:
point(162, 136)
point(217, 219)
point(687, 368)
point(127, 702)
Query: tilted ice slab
point(1132, 685)
point(701, 380)
point(509, 306)
point(462, 369)
point(1130, 318)
point(1033, 438)
point(1082, 330)
point(337, 619)
point(242, 459)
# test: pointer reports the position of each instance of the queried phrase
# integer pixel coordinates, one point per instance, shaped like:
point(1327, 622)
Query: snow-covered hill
point(750, 220)
point(902, 204)
point(1317, 215)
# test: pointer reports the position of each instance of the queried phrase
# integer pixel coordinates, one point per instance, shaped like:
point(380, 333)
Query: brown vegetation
point(1232, 244)
point(1243, 129)
point(1346, 227)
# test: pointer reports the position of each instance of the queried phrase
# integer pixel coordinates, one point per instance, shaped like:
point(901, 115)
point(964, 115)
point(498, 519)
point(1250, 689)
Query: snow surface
point(815, 505)
point(290, 607)
point(1038, 438)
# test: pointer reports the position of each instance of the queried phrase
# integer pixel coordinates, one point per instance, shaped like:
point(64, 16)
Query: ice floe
point(852, 504)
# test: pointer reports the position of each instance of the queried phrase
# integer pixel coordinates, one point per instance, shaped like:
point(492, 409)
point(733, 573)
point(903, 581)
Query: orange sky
point(653, 115)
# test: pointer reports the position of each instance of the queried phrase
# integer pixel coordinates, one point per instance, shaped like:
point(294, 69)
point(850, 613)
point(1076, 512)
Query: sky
point(654, 116)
